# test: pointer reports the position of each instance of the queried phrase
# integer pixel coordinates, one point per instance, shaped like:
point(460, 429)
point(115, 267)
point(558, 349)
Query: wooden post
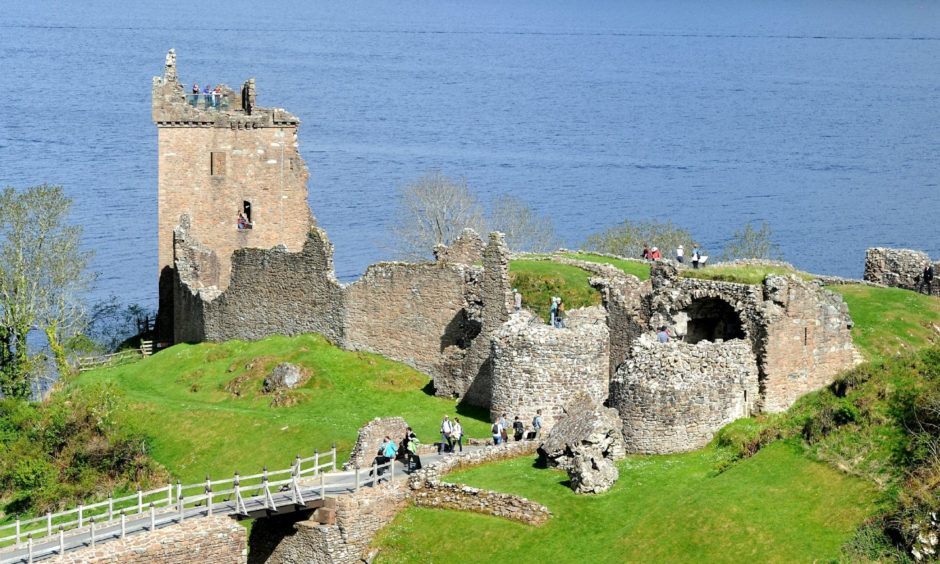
point(297, 465)
point(110, 506)
point(16, 534)
point(169, 494)
point(208, 496)
point(179, 488)
point(49, 524)
point(316, 462)
point(153, 517)
point(29, 548)
point(182, 507)
point(123, 524)
point(375, 473)
point(80, 521)
point(61, 540)
point(140, 501)
point(92, 532)
point(334, 457)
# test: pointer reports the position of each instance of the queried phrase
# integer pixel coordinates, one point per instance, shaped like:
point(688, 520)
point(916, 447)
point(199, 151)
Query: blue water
point(818, 117)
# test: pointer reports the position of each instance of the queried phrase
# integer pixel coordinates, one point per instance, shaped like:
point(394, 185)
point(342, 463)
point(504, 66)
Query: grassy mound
point(203, 410)
point(539, 280)
point(777, 506)
point(742, 274)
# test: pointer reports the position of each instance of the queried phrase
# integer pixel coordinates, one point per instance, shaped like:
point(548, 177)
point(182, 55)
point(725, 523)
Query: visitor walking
point(695, 257)
point(553, 310)
point(497, 431)
point(518, 429)
point(680, 254)
point(537, 424)
point(517, 300)
point(560, 315)
point(447, 429)
point(457, 435)
point(926, 279)
point(410, 448)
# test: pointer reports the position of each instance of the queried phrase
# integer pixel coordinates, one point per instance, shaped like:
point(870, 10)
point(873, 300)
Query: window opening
point(711, 319)
point(805, 336)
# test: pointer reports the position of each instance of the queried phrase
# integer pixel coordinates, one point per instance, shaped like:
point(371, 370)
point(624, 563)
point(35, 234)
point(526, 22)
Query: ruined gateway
point(241, 257)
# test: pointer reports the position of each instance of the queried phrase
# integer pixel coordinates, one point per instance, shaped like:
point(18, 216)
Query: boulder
point(587, 428)
point(592, 474)
point(284, 376)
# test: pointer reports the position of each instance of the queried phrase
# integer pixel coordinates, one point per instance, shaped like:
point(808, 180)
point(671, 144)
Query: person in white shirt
point(680, 254)
point(457, 435)
point(447, 431)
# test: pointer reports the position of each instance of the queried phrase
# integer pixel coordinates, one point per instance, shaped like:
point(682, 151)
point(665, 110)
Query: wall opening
point(244, 216)
point(711, 319)
point(246, 208)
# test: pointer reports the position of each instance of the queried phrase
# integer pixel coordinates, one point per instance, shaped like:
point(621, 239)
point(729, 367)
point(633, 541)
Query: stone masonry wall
point(806, 340)
point(412, 312)
point(536, 366)
point(899, 268)
point(216, 539)
point(674, 396)
point(273, 292)
point(371, 437)
point(465, 498)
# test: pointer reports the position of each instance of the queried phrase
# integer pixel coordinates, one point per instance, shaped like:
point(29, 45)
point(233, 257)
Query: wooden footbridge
point(305, 484)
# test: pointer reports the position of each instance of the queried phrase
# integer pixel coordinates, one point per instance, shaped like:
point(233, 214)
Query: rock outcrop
point(284, 376)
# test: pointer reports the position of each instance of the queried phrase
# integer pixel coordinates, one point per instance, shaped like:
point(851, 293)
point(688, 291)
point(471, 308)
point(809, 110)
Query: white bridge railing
point(110, 518)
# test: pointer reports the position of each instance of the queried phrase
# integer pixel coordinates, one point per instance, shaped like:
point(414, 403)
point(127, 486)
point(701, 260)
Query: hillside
point(202, 408)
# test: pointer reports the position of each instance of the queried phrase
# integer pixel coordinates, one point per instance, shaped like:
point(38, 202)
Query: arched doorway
point(710, 319)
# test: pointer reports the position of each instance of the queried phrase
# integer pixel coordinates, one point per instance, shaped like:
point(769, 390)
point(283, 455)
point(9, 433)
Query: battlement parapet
point(223, 107)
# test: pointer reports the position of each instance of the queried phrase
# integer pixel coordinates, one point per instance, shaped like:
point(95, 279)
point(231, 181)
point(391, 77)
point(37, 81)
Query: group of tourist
point(557, 313)
point(451, 435)
point(500, 429)
point(406, 451)
point(211, 95)
point(653, 253)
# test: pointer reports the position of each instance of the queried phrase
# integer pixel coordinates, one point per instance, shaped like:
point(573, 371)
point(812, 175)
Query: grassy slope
point(889, 321)
point(777, 506)
point(178, 399)
point(638, 268)
point(539, 280)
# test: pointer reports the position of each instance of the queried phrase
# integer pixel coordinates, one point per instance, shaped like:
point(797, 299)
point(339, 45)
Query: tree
point(434, 210)
point(628, 239)
point(750, 243)
point(43, 277)
point(524, 230)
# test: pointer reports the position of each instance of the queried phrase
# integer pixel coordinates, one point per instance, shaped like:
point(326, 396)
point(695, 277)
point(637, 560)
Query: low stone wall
point(899, 268)
point(674, 396)
point(211, 539)
point(465, 498)
point(371, 436)
point(536, 366)
point(492, 453)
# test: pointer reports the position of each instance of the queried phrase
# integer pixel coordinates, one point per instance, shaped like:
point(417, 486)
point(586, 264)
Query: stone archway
point(711, 319)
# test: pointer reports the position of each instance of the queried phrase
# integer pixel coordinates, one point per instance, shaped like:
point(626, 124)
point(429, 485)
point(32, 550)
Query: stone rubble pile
point(586, 443)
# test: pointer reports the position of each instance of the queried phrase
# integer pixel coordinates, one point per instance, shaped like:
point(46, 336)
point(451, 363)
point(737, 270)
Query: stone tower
point(230, 173)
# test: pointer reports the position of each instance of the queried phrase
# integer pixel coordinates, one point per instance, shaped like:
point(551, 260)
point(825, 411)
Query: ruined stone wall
point(468, 372)
point(899, 268)
point(358, 517)
point(465, 498)
point(371, 437)
point(272, 292)
point(536, 366)
point(807, 340)
point(211, 539)
point(412, 312)
point(673, 396)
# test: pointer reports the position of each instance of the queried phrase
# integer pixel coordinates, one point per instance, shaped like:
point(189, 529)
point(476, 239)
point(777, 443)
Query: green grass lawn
point(638, 268)
point(742, 274)
point(889, 321)
point(777, 506)
point(539, 280)
point(179, 399)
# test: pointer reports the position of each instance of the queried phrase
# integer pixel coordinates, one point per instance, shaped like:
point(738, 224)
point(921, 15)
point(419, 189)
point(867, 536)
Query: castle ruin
point(741, 348)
